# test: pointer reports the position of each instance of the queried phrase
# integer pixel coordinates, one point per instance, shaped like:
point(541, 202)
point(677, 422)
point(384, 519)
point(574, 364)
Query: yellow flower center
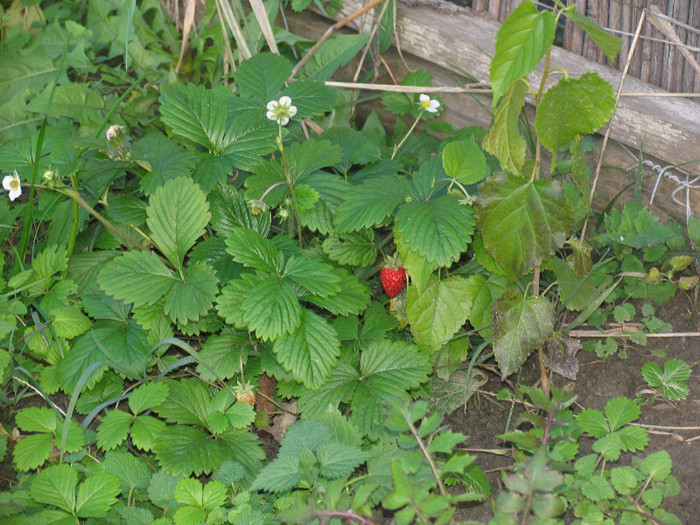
point(426, 103)
point(14, 184)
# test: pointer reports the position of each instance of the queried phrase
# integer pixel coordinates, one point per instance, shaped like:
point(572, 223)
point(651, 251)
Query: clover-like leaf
point(671, 381)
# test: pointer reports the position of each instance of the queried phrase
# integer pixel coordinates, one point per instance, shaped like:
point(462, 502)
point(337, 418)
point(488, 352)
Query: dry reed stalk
point(264, 23)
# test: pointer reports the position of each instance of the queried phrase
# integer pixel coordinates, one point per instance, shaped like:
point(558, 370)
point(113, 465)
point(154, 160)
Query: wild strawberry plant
point(172, 244)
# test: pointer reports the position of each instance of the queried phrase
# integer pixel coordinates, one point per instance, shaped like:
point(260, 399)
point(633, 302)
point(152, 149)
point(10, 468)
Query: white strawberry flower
point(11, 184)
point(281, 110)
point(428, 104)
point(113, 131)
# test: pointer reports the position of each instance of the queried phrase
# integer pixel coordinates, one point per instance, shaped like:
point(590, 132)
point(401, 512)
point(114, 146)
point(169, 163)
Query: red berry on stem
point(393, 280)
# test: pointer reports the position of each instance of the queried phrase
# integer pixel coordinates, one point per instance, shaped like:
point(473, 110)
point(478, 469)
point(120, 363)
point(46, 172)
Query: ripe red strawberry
point(393, 280)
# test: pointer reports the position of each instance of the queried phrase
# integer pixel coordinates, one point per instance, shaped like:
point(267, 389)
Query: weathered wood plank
point(463, 111)
point(667, 128)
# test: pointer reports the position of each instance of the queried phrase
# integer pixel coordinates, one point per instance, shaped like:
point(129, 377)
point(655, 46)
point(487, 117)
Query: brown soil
point(598, 381)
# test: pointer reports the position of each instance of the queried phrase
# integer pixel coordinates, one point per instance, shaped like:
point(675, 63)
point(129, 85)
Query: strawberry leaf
point(438, 230)
point(311, 351)
point(438, 311)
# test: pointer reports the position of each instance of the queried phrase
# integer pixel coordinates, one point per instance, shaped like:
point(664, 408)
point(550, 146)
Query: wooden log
point(615, 22)
point(658, 50)
point(689, 73)
point(666, 129)
point(681, 15)
point(635, 13)
point(603, 20)
point(590, 50)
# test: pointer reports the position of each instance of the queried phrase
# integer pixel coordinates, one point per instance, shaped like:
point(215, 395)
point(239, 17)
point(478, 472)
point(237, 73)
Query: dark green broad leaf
point(437, 311)
point(165, 158)
point(271, 309)
point(232, 296)
point(183, 450)
point(387, 371)
point(576, 293)
point(520, 325)
point(464, 161)
point(123, 347)
point(136, 277)
point(307, 157)
point(177, 216)
point(75, 100)
point(333, 54)
point(521, 42)
point(371, 202)
point(261, 77)
point(352, 299)
point(609, 44)
point(311, 98)
point(439, 230)
point(316, 277)
point(504, 140)
point(251, 249)
point(229, 210)
point(351, 249)
point(250, 136)
point(192, 296)
point(580, 172)
point(311, 351)
point(522, 222)
point(197, 114)
point(575, 106)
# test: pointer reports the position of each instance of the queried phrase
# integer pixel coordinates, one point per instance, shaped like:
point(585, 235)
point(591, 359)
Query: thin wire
point(666, 171)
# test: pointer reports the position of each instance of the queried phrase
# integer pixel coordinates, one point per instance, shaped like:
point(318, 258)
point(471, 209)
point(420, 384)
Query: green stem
point(73, 194)
point(73, 228)
point(398, 146)
point(24, 239)
point(433, 467)
point(288, 176)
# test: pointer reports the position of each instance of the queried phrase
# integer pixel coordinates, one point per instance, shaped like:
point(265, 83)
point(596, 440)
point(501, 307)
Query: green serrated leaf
point(183, 450)
point(69, 322)
point(193, 296)
point(113, 429)
point(147, 396)
point(609, 44)
point(280, 475)
point(333, 54)
point(316, 277)
point(416, 266)
point(37, 419)
point(251, 249)
point(438, 311)
point(32, 451)
point(144, 432)
point(464, 161)
point(522, 222)
point(131, 471)
point(96, 495)
point(574, 106)
point(521, 42)
point(620, 411)
point(177, 214)
point(311, 351)
point(137, 277)
point(671, 380)
point(371, 203)
point(337, 460)
point(351, 249)
point(271, 309)
point(439, 230)
point(55, 485)
point(520, 325)
point(261, 77)
point(229, 210)
point(657, 465)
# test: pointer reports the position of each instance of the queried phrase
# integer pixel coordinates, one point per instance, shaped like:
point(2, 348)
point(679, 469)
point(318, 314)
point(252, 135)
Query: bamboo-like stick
point(606, 138)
